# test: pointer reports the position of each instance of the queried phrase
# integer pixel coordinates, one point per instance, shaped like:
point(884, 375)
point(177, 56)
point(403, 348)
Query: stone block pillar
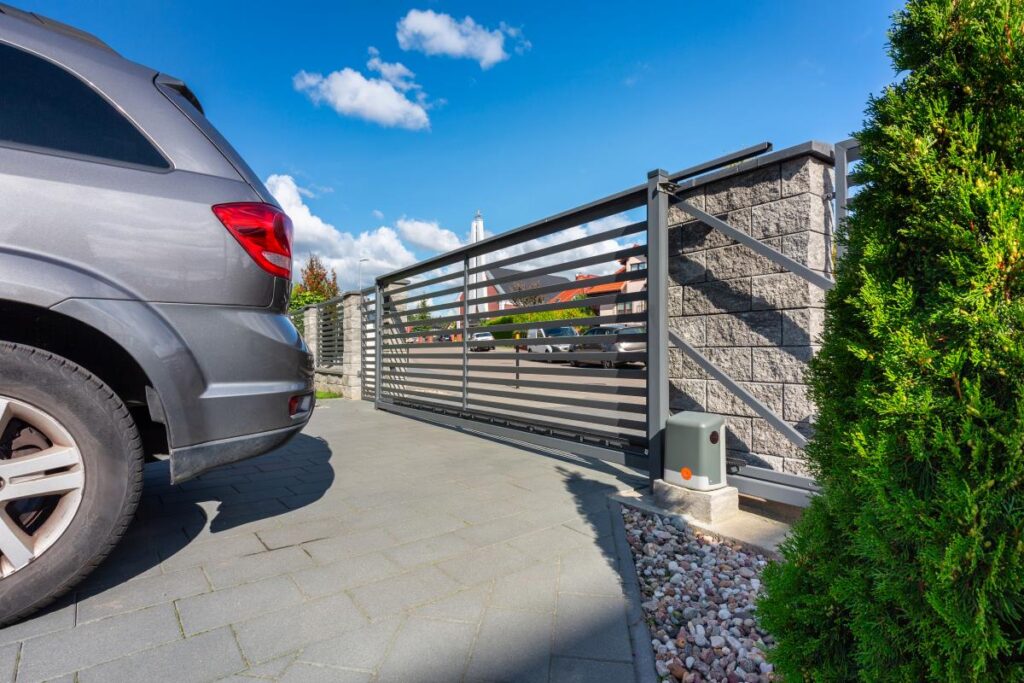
point(757, 322)
point(352, 359)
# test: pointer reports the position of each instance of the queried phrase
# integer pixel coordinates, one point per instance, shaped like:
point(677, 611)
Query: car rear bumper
point(192, 461)
point(253, 362)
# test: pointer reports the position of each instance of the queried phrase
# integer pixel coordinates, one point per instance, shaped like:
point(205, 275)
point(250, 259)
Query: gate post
point(465, 332)
point(657, 322)
point(378, 318)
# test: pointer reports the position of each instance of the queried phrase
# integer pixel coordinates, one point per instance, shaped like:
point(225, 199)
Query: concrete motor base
point(708, 507)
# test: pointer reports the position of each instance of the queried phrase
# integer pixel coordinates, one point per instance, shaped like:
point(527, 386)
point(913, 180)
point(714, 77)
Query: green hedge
point(910, 565)
point(542, 317)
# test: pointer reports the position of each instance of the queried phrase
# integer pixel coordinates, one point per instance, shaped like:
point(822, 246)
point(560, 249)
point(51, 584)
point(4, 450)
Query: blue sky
point(523, 111)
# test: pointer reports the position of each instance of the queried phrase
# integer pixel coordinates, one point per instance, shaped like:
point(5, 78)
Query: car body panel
point(137, 254)
point(549, 346)
point(152, 234)
point(603, 338)
point(478, 337)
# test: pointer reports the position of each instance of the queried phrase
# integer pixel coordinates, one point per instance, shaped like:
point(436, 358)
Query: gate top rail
point(734, 163)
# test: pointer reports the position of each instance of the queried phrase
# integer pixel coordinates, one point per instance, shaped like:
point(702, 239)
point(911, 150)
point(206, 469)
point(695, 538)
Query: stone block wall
point(751, 318)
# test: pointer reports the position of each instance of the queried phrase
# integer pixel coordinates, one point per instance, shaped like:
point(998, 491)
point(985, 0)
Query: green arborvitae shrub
point(910, 565)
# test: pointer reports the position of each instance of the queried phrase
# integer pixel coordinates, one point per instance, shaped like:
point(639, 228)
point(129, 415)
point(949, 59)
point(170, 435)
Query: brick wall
point(748, 316)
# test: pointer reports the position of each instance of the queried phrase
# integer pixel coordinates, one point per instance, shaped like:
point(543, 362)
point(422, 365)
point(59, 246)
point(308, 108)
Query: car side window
point(44, 106)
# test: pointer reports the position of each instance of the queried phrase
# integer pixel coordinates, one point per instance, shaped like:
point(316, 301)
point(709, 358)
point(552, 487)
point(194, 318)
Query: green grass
point(327, 394)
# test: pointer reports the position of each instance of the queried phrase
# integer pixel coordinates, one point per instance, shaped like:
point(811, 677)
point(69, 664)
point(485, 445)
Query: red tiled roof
point(608, 287)
point(570, 294)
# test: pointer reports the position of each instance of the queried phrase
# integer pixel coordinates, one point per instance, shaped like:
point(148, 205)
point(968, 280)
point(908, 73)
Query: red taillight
point(299, 406)
point(264, 231)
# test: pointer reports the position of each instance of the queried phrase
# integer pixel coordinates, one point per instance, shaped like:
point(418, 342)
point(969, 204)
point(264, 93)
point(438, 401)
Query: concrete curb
point(650, 508)
point(639, 634)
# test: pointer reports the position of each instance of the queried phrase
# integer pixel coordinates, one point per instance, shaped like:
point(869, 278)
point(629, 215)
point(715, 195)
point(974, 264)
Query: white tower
point(476, 234)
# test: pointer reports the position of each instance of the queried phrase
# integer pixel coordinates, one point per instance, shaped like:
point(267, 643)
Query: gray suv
point(144, 275)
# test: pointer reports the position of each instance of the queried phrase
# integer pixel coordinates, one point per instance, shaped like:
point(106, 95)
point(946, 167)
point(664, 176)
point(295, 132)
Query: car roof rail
point(55, 26)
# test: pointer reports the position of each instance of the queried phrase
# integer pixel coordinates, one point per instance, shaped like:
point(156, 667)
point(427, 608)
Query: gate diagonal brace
point(777, 257)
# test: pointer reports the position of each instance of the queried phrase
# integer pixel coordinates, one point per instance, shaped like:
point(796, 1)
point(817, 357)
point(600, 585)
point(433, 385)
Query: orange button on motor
point(685, 473)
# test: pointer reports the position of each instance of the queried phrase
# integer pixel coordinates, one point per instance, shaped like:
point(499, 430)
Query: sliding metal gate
point(552, 334)
point(487, 337)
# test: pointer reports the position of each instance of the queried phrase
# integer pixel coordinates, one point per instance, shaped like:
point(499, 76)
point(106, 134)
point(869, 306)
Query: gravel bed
point(698, 599)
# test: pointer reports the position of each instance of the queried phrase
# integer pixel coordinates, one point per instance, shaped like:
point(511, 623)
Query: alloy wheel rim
point(42, 478)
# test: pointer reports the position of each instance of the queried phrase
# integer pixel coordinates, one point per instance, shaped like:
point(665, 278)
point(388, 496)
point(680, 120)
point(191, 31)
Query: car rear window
point(44, 106)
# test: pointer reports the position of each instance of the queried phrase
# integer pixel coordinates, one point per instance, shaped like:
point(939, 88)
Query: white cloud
point(607, 246)
point(436, 33)
point(378, 214)
point(427, 234)
point(398, 75)
point(342, 251)
point(385, 100)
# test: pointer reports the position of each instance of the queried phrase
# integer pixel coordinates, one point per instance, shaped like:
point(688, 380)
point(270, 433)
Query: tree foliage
point(910, 564)
point(421, 316)
point(315, 284)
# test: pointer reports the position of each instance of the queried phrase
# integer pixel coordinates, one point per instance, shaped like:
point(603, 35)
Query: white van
point(550, 339)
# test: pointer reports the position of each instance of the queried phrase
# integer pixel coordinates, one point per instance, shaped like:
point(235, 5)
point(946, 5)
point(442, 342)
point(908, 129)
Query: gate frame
point(656, 194)
point(650, 194)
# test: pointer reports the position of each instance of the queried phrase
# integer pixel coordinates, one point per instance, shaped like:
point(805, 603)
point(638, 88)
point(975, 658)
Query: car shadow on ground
point(217, 505)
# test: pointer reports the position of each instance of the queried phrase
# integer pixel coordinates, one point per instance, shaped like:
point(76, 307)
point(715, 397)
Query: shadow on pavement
point(171, 518)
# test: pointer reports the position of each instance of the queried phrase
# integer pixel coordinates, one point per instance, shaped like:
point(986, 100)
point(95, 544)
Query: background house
point(510, 290)
point(629, 264)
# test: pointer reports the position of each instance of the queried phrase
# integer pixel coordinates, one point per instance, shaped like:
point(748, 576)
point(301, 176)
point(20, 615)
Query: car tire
point(78, 417)
point(607, 364)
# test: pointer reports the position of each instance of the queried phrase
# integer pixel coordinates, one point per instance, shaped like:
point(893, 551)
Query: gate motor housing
point(695, 451)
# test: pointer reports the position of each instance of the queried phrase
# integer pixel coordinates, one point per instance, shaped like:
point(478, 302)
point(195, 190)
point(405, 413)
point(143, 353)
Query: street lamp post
point(359, 273)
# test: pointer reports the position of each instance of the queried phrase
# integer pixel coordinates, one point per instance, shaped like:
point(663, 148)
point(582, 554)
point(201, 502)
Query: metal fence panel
point(464, 343)
point(330, 333)
point(298, 319)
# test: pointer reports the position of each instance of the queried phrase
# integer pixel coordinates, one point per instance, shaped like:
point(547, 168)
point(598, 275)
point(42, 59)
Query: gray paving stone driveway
point(372, 548)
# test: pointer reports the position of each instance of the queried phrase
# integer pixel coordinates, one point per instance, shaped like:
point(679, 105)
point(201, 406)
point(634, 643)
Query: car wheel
point(70, 476)
point(606, 364)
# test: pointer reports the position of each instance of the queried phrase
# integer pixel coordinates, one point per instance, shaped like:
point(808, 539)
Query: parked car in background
point(606, 338)
point(144, 277)
point(478, 337)
point(550, 339)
